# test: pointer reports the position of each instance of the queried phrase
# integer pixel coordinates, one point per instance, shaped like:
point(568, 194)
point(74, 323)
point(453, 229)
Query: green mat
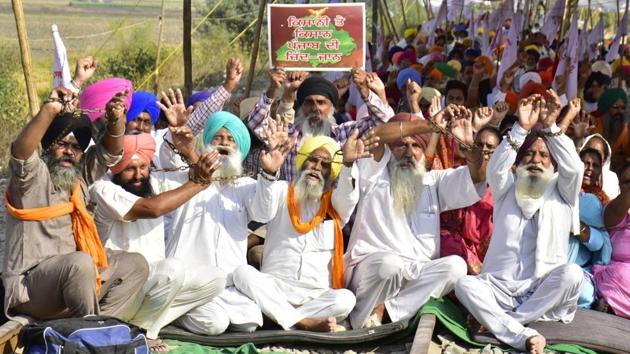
point(191, 348)
point(453, 319)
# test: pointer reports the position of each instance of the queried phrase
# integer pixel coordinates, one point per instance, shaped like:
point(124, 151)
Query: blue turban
point(142, 101)
point(409, 73)
point(234, 125)
point(198, 96)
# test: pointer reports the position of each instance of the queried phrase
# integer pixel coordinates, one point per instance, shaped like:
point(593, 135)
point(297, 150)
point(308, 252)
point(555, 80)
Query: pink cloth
point(140, 145)
point(97, 95)
point(466, 232)
point(613, 280)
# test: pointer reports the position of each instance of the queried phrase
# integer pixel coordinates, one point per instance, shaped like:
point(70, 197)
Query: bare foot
point(473, 325)
point(601, 305)
point(157, 346)
point(318, 325)
point(536, 344)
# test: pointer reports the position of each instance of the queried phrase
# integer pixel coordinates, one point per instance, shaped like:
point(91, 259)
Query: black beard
point(144, 191)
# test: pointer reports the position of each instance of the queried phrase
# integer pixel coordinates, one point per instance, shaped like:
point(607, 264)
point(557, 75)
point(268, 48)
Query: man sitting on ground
point(525, 275)
point(55, 265)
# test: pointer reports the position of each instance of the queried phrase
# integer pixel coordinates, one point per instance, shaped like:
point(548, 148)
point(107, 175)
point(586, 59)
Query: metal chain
point(77, 112)
point(444, 131)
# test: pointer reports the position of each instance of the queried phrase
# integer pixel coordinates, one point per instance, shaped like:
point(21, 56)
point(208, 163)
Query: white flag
point(553, 20)
point(595, 38)
point(583, 41)
point(571, 52)
point(455, 8)
point(61, 69)
point(507, 11)
point(439, 20)
point(485, 38)
point(510, 52)
point(613, 51)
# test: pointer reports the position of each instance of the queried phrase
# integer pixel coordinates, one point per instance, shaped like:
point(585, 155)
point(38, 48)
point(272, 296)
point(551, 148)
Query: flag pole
point(187, 49)
point(25, 54)
point(252, 63)
point(156, 84)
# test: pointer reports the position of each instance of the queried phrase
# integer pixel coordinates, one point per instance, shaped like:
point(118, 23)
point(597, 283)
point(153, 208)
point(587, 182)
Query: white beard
point(308, 191)
point(406, 184)
point(308, 130)
point(231, 164)
point(529, 189)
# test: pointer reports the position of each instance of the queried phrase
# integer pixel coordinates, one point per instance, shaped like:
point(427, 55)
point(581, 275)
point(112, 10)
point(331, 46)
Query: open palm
point(174, 108)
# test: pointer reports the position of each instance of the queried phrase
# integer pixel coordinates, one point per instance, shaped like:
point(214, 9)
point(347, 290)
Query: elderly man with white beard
point(535, 176)
point(210, 230)
point(301, 280)
point(392, 261)
point(316, 98)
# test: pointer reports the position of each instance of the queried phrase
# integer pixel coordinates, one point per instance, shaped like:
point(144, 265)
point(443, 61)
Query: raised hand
point(376, 85)
point(359, 77)
point(461, 125)
point(482, 117)
point(183, 139)
point(275, 133)
point(61, 100)
point(499, 111)
point(413, 91)
point(272, 159)
point(357, 148)
point(553, 107)
point(174, 108)
point(233, 74)
point(86, 67)
point(277, 77)
point(115, 108)
point(479, 69)
point(583, 125)
point(294, 80)
point(508, 79)
point(342, 85)
point(207, 164)
point(528, 111)
point(575, 105)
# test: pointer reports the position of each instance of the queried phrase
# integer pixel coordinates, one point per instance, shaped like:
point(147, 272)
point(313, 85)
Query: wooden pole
point(418, 13)
point(391, 22)
point(187, 49)
point(156, 84)
point(404, 16)
point(25, 54)
point(252, 63)
point(567, 12)
point(374, 33)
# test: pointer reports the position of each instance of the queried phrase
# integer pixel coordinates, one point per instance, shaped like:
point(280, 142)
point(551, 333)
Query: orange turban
point(512, 100)
point(436, 74)
point(140, 146)
point(531, 88)
point(487, 63)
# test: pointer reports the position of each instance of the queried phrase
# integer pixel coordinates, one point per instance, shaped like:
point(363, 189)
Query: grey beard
point(324, 127)
point(231, 164)
point(529, 186)
point(64, 178)
point(406, 185)
point(308, 191)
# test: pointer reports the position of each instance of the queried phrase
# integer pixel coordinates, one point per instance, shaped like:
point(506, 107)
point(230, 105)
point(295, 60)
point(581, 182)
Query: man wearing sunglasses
point(301, 283)
point(55, 264)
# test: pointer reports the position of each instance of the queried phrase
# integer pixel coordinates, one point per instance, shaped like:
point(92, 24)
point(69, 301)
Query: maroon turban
point(423, 139)
point(531, 138)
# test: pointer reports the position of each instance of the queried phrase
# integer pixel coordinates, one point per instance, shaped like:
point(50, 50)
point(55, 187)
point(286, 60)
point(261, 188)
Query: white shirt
point(378, 227)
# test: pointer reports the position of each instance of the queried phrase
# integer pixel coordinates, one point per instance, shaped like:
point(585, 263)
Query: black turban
point(65, 124)
point(316, 85)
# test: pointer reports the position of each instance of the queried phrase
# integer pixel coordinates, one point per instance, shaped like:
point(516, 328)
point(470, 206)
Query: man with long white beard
point(535, 176)
point(55, 265)
point(130, 204)
point(210, 230)
point(300, 284)
point(392, 261)
point(316, 99)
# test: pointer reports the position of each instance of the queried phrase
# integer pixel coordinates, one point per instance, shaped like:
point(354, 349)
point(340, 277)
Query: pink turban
point(99, 93)
point(141, 146)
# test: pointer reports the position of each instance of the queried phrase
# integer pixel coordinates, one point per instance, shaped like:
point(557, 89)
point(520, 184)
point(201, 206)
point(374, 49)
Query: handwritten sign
point(316, 37)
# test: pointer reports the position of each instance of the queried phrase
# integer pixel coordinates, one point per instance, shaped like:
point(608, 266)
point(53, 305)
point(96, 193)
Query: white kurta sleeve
point(266, 201)
point(495, 96)
point(570, 167)
point(499, 171)
point(346, 196)
point(167, 157)
point(113, 202)
point(456, 189)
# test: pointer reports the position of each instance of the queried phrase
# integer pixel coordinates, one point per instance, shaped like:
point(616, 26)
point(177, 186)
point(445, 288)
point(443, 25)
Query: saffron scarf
point(325, 208)
point(83, 226)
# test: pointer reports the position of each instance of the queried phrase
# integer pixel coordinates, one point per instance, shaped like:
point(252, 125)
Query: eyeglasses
point(68, 145)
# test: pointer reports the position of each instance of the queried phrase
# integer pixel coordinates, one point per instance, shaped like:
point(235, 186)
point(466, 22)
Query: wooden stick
point(374, 33)
point(252, 64)
point(156, 84)
point(25, 54)
point(404, 16)
point(187, 49)
point(391, 22)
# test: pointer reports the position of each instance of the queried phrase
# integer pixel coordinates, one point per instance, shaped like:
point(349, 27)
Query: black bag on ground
point(84, 335)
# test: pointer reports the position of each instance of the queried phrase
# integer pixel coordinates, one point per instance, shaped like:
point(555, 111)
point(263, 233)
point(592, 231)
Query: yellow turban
point(410, 32)
point(311, 144)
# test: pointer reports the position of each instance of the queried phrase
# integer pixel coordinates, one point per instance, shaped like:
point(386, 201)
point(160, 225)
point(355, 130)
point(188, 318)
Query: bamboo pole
point(25, 54)
point(252, 63)
point(156, 84)
point(391, 22)
point(419, 20)
point(187, 49)
point(404, 16)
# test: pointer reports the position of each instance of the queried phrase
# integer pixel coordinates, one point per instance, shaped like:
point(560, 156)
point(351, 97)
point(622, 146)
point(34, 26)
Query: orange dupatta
point(325, 208)
point(83, 226)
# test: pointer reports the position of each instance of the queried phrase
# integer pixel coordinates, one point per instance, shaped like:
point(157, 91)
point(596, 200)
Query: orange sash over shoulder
point(325, 208)
point(83, 226)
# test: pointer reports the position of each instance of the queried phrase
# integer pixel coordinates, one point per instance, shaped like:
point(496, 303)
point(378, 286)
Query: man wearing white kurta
point(392, 258)
point(296, 286)
point(129, 208)
point(525, 277)
point(211, 229)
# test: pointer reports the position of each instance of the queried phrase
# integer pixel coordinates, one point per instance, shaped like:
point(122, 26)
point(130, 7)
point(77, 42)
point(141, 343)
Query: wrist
point(268, 175)
point(230, 85)
point(76, 82)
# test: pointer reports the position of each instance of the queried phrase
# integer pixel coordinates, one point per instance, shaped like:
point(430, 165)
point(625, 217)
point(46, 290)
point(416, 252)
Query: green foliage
point(13, 100)
point(235, 16)
point(133, 63)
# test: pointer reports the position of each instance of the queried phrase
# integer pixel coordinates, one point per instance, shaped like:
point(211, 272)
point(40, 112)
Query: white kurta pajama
point(211, 230)
point(294, 282)
point(172, 288)
point(393, 259)
point(525, 277)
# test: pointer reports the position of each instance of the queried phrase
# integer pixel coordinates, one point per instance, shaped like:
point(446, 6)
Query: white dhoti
point(231, 309)
point(172, 290)
point(287, 303)
point(403, 286)
point(552, 298)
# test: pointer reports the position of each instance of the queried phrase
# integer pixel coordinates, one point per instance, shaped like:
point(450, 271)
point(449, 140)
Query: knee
point(456, 267)
point(243, 275)
point(344, 302)
point(80, 263)
point(211, 324)
point(390, 266)
point(173, 270)
point(571, 276)
point(465, 286)
point(139, 264)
